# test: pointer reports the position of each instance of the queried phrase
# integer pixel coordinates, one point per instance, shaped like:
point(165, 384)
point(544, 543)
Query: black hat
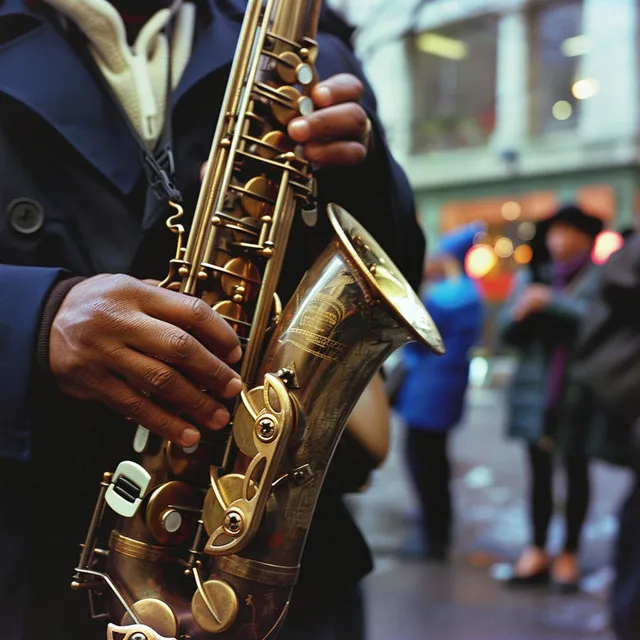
point(570, 214)
point(573, 215)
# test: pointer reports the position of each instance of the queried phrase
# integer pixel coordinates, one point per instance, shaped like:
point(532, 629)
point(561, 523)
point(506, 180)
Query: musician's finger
point(171, 344)
point(132, 404)
point(340, 122)
point(196, 317)
point(343, 87)
point(343, 153)
point(160, 380)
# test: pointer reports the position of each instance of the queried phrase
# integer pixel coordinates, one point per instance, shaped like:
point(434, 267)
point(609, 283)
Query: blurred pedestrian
point(542, 318)
point(608, 363)
point(431, 397)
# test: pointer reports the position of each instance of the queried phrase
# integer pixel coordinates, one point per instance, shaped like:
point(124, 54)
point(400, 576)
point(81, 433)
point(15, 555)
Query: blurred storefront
point(502, 109)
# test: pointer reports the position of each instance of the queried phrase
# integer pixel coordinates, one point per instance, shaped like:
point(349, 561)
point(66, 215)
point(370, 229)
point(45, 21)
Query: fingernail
point(235, 355)
point(299, 130)
point(189, 437)
point(322, 96)
point(233, 388)
point(220, 419)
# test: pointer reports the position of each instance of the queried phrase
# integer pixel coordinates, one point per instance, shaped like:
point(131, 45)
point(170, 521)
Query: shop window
point(557, 46)
point(454, 79)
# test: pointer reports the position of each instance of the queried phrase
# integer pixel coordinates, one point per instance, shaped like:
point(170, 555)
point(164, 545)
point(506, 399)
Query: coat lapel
point(41, 70)
point(213, 50)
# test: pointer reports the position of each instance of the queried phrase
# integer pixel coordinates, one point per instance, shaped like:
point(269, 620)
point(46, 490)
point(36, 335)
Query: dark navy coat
point(433, 390)
point(72, 195)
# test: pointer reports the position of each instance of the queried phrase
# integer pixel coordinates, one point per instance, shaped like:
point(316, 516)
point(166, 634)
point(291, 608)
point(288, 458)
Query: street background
point(410, 599)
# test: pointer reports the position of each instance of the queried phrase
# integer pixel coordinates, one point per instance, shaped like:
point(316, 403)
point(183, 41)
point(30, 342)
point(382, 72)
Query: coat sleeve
point(376, 192)
point(571, 310)
point(514, 333)
point(23, 291)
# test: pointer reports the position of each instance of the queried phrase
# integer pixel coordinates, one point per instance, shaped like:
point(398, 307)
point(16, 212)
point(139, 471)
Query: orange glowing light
point(606, 244)
point(479, 261)
point(523, 254)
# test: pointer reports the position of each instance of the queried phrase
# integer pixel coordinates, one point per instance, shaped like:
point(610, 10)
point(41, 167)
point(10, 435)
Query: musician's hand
point(147, 353)
point(337, 133)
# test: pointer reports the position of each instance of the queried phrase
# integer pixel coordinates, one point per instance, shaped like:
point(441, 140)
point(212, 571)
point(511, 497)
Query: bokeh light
point(606, 244)
point(523, 254)
point(504, 248)
point(526, 231)
point(511, 210)
point(585, 88)
point(562, 110)
point(480, 260)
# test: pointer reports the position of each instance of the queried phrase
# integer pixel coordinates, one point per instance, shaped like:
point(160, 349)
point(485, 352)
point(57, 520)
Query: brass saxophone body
point(209, 545)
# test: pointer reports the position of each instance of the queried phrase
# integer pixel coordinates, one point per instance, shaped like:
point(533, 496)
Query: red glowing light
point(605, 245)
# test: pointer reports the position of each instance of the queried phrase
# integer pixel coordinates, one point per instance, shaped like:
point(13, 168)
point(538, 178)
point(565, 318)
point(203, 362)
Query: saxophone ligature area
point(187, 544)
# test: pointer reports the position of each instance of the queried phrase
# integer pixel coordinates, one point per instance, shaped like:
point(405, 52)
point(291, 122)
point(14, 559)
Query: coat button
point(25, 215)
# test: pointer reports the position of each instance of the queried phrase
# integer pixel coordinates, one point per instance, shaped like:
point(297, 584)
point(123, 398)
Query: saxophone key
point(292, 105)
point(214, 606)
point(274, 143)
point(165, 515)
point(292, 70)
point(241, 278)
point(156, 615)
point(234, 314)
point(128, 486)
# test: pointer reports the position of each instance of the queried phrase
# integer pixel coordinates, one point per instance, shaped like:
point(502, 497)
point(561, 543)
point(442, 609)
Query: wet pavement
point(409, 599)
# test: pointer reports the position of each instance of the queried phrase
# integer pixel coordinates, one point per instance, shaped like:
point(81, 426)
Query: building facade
point(501, 109)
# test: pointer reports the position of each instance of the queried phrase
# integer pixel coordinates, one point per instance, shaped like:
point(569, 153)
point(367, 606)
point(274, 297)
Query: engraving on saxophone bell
point(316, 329)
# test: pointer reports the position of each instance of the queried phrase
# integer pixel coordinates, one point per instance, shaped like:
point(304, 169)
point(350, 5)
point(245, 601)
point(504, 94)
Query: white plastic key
point(134, 474)
point(141, 439)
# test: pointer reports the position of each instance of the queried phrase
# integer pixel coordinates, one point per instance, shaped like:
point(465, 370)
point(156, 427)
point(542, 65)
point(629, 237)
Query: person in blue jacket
point(431, 398)
point(85, 342)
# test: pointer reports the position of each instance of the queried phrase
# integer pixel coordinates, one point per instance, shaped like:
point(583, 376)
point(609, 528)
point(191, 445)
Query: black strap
point(159, 166)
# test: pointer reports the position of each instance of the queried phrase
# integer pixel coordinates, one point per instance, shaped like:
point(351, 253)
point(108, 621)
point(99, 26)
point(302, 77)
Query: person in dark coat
point(76, 206)
point(607, 363)
point(431, 398)
point(542, 318)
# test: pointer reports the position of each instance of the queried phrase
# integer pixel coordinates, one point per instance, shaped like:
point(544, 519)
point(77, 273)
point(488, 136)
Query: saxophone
point(183, 544)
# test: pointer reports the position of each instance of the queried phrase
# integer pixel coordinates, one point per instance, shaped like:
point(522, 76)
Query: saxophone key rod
point(214, 199)
point(89, 543)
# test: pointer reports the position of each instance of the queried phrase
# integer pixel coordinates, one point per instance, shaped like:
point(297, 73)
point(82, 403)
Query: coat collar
point(41, 70)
